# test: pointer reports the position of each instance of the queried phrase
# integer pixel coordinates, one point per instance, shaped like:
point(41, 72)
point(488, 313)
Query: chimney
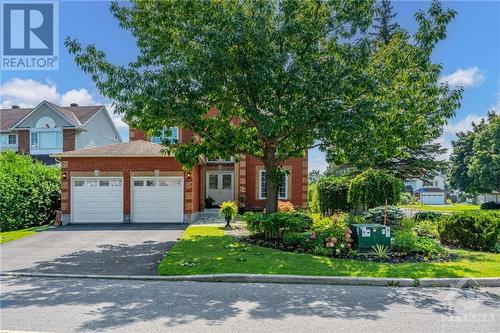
point(15, 106)
point(73, 104)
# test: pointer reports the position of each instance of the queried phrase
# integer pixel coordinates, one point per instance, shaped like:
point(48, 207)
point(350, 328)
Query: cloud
point(466, 78)
point(463, 125)
point(29, 93)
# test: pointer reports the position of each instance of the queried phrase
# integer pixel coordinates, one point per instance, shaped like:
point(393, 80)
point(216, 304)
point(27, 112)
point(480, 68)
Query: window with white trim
point(172, 134)
point(12, 139)
point(282, 190)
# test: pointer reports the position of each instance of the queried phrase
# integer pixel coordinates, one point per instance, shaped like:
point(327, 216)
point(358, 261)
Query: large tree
point(284, 76)
point(475, 159)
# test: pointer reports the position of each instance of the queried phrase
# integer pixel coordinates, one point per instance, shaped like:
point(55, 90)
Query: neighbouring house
point(489, 197)
point(49, 129)
point(428, 192)
point(135, 182)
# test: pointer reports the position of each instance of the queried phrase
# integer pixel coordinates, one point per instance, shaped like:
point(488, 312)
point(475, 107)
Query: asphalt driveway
point(118, 249)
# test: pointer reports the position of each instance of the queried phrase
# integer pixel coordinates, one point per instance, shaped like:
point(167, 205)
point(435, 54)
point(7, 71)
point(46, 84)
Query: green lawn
point(205, 250)
point(452, 208)
point(8, 236)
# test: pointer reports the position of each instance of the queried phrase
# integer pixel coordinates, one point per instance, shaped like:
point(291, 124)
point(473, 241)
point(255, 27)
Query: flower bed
point(414, 241)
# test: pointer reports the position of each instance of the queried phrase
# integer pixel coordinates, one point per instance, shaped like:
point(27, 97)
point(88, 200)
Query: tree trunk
point(272, 185)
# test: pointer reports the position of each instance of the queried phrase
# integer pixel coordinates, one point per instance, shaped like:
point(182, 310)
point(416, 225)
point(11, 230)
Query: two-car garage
point(132, 182)
point(152, 199)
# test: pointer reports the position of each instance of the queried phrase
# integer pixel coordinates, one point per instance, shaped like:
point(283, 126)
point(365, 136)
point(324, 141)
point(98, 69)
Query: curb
point(290, 279)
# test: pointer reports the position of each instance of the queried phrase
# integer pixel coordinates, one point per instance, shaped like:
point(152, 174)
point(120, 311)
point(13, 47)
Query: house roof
point(77, 115)
point(430, 189)
point(9, 117)
point(137, 148)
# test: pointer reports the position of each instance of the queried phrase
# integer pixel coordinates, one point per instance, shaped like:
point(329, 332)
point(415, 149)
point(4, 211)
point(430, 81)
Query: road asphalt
point(97, 305)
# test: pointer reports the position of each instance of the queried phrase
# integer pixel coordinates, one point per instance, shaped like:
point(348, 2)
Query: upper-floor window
point(172, 134)
point(222, 160)
point(46, 140)
point(282, 190)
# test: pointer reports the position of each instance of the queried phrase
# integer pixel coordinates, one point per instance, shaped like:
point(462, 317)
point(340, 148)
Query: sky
point(470, 57)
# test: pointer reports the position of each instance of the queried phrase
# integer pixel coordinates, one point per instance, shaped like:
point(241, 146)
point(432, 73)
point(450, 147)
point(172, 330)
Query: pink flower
point(348, 245)
point(313, 236)
point(334, 240)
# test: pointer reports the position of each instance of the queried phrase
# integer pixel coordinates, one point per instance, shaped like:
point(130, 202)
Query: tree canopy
point(475, 159)
point(284, 76)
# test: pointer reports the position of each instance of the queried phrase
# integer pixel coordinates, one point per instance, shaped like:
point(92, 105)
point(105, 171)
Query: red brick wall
point(68, 139)
point(297, 181)
point(23, 142)
point(136, 134)
point(126, 165)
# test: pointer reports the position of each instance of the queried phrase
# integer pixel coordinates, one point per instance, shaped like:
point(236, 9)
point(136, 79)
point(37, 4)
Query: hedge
point(29, 192)
point(332, 195)
point(373, 187)
point(477, 230)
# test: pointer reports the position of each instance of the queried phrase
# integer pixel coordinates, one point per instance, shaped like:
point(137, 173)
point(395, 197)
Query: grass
point(9, 236)
point(205, 250)
point(452, 208)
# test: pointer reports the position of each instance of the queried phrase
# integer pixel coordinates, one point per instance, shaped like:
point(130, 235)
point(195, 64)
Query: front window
point(12, 139)
point(282, 190)
point(46, 140)
point(172, 135)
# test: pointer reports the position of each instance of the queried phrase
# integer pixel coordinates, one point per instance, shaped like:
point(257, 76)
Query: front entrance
point(220, 185)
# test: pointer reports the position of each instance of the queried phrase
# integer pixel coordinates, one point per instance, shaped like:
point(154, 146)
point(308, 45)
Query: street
point(98, 305)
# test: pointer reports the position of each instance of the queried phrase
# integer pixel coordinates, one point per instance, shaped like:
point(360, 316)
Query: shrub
point(478, 230)
point(406, 224)
point(373, 187)
point(406, 198)
point(376, 215)
point(285, 206)
point(332, 195)
point(275, 225)
point(29, 192)
point(490, 205)
point(409, 242)
point(429, 216)
point(427, 228)
point(313, 198)
point(294, 238)
point(331, 232)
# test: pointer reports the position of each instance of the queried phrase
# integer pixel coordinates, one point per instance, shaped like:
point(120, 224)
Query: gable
point(46, 112)
point(100, 131)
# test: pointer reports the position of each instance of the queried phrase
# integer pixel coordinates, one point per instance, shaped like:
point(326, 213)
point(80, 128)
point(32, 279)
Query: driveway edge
point(293, 279)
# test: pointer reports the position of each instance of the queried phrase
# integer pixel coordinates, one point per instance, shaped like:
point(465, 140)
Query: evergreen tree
point(384, 29)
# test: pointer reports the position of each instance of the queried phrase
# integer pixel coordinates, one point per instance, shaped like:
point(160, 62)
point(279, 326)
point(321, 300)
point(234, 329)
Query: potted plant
point(241, 208)
point(228, 209)
point(209, 202)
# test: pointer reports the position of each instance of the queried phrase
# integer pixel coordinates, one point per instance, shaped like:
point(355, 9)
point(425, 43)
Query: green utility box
point(367, 235)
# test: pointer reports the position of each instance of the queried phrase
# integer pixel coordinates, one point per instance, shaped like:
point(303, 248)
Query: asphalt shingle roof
point(132, 148)
point(78, 115)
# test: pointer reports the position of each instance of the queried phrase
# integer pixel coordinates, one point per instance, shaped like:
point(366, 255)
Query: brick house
point(135, 182)
point(52, 129)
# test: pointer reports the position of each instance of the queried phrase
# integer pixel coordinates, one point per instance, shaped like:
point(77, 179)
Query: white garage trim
point(156, 187)
point(107, 206)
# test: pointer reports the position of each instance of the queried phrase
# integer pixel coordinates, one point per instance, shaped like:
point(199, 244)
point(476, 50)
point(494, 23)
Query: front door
point(220, 186)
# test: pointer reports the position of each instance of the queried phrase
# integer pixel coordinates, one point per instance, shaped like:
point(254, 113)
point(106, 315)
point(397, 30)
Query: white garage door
point(97, 200)
point(433, 198)
point(157, 199)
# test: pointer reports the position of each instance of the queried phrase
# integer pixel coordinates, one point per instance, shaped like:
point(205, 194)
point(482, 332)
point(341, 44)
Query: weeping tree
point(284, 76)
